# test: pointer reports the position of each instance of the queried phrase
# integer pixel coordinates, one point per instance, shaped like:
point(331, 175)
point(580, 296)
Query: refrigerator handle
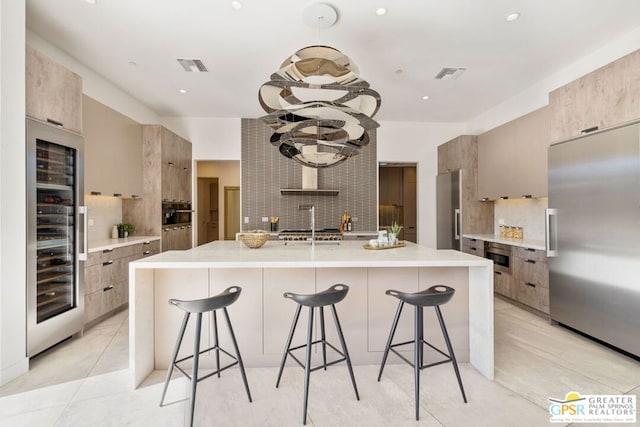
point(456, 224)
point(84, 241)
point(551, 232)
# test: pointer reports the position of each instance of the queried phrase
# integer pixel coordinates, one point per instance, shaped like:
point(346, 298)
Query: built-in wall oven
point(176, 213)
point(500, 255)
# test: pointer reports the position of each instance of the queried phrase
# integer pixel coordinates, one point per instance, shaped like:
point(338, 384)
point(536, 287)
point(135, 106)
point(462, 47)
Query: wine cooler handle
point(84, 240)
point(551, 232)
point(456, 224)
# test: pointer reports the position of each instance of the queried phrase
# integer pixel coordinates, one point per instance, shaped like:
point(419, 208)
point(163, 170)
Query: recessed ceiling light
point(425, 97)
point(182, 90)
point(381, 11)
point(91, 1)
point(236, 5)
point(399, 71)
point(513, 16)
point(133, 63)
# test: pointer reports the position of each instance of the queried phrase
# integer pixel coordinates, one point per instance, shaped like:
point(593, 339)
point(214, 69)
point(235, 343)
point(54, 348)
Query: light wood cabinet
point(409, 191)
point(166, 176)
point(113, 151)
point(529, 282)
point(603, 98)
point(106, 278)
point(53, 92)
point(512, 158)
point(476, 216)
point(473, 246)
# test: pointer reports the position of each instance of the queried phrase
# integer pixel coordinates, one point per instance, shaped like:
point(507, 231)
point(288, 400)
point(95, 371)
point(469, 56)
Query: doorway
point(398, 198)
point(213, 176)
point(231, 212)
point(208, 214)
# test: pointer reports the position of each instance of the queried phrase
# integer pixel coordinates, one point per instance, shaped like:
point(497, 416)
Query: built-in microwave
point(176, 213)
point(500, 255)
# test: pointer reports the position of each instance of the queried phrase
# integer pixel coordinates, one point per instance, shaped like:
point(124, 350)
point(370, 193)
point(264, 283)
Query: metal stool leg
point(216, 343)
point(288, 344)
point(324, 338)
point(235, 346)
point(183, 327)
point(391, 334)
point(450, 348)
point(196, 360)
point(307, 366)
point(417, 356)
point(344, 349)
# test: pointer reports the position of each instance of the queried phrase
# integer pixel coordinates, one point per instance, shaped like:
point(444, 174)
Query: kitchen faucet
point(312, 209)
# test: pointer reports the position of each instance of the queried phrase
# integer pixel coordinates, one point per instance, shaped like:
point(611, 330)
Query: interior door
point(231, 212)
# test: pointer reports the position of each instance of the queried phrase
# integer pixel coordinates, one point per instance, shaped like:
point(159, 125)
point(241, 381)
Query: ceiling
point(135, 44)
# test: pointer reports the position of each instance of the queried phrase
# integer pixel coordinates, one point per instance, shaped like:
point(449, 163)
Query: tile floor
point(84, 382)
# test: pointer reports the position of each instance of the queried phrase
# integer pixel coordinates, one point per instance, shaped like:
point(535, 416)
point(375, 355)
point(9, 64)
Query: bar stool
point(329, 297)
point(434, 297)
point(197, 307)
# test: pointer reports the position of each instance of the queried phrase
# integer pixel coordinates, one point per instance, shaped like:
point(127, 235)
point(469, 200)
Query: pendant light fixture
point(317, 105)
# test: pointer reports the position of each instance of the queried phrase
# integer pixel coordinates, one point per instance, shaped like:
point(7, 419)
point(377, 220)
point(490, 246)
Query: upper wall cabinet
point(113, 151)
point(512, 158)
point(461, 153)
point(603, 98)
point(53, 93)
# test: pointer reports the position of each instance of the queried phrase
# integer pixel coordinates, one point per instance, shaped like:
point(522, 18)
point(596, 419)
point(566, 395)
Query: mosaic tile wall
point(264, 171)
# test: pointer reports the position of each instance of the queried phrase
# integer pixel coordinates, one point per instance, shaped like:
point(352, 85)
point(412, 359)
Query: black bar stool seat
point(329, 297)
point(435, 296)
point(198, 307)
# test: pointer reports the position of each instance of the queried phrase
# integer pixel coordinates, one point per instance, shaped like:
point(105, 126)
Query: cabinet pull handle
point(146, 243)
point(146, 252)
point(533, 285)
point(530, 261)
point(498, 273)
point(108, 288)
point(473, 248)
point(108, 262)
point(54, 122)
point(529, 250)
point(588, 130)
point(106, 251)
point(171, 164)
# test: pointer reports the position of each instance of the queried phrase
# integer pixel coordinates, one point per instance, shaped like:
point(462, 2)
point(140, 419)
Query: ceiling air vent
point(450, 73)
point(193, 65)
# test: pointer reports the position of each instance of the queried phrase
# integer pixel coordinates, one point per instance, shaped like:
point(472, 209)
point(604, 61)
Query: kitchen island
point(262, 317)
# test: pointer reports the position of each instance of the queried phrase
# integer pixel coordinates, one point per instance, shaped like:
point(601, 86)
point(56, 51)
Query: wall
point(265, 171)
point(526, 213)
point(228, 173)
point(212, 138)
point(13, 361)
point(105, 212)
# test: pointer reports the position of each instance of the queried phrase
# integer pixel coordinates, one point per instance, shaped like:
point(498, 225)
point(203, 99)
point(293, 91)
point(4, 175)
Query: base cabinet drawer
point(532, 295)
point(473, 246)
point(104, 300)
point(502, 284)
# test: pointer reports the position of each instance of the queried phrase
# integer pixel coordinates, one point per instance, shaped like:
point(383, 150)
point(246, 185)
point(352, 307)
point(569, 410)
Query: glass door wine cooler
point(56, 235)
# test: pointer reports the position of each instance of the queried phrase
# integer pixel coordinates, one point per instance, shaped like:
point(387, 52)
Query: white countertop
point(523, 243)
point(100, 245)
point(274, 254)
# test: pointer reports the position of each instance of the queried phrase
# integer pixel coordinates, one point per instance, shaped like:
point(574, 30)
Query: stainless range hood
point(309, 182)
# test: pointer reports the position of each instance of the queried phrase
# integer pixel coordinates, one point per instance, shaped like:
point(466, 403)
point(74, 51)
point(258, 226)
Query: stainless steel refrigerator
point(448, 201)
point(593, 240)
point(56, 235)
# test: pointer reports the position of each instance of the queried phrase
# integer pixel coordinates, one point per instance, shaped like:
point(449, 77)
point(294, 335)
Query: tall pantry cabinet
point(167, 177)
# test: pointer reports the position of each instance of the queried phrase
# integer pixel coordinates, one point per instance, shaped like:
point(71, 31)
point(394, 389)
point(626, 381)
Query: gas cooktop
point(326, 234)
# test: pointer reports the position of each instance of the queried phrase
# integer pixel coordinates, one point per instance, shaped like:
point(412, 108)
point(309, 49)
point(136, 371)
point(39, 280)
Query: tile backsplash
point(526, 213)
point(264, 171)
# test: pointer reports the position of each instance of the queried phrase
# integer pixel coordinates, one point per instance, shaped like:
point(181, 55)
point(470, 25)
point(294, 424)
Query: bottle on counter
point(114, 232)
point(349, 225)
point(344, 220)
